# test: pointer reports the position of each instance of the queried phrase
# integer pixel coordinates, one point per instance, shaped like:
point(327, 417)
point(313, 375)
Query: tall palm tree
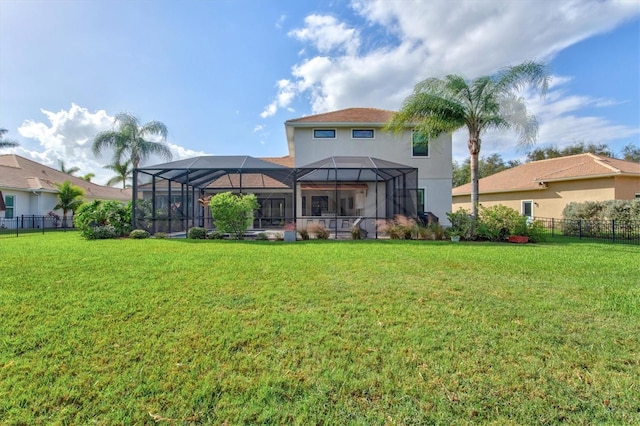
point(69, 198)
point(70, 171)
point(124, 172)
point(6, 143)
point(130, 142)
point(488, 102)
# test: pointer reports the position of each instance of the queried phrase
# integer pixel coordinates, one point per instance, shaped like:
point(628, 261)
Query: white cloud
point(433, 39)
point(280, 21)
point(68, 136)
point(327, 34)
point(377, 63)
point(559, 125)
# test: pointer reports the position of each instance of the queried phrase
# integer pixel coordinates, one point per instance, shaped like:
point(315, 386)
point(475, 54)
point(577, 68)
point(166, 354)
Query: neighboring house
point(543, 188)
point(342, 168)
point(28, 188)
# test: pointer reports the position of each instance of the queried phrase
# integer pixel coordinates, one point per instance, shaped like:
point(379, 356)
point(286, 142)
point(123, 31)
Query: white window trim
point(522, 207)
point(335, 133)
point(363, 128)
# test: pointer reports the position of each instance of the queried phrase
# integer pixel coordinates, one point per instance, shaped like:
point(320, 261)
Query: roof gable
point(19, 173)
point(532, 176)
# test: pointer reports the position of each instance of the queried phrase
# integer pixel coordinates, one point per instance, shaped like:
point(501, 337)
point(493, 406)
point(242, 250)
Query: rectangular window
point(419, 144)
point(324, 133)
point(637, 194)
point(527, 208)
point(362, 133)
point(9, 201)
point(421, 207)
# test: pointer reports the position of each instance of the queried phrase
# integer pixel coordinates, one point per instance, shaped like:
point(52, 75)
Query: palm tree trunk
point(474, 151)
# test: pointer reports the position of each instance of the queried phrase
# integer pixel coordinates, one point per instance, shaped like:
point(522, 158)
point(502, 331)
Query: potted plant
point(290, 233)
point(461, 224)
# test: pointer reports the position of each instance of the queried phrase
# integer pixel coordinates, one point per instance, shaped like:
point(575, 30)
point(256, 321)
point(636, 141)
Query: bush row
point(495, 223)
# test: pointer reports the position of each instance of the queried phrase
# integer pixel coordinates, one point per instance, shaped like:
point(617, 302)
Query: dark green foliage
point(487, 166)
point(552, 151)
point(160, 235)
point(139, 234)
point(197, 233)
point(113, 216)
point(356, 233)
point(631, 152)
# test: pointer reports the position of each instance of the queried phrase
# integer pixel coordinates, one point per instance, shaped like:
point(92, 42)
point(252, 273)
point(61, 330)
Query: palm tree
point(124, 172)
point(88, 177)
point(70, 171)
point(129, 140)
point(69, 198)
point(6, 143)
point(488, 102)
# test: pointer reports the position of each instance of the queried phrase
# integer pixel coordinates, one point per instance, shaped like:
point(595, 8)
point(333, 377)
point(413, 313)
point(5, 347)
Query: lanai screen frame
point(197, 173)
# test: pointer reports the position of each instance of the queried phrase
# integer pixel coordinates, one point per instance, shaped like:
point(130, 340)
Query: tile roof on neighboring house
point(19, 173)
point(534, 175)
point(346, 116)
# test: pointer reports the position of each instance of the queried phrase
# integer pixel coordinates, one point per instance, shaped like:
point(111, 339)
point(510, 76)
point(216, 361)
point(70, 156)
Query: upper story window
point(324, 133)
point(419, 145)
point(362, 133)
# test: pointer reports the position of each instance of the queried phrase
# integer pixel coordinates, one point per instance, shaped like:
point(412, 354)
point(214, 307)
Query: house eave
point(502, 191)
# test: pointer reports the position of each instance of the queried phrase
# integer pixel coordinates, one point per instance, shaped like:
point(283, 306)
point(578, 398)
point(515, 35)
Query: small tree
point(102, 219)
point(233, 214)
point(69, 198)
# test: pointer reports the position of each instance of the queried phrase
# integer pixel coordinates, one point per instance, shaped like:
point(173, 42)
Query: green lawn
point(317, 332)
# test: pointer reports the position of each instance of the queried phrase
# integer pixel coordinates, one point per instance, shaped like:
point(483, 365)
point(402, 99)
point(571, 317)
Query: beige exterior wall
point(551, 201)
point(627, 187)
point(434, 171)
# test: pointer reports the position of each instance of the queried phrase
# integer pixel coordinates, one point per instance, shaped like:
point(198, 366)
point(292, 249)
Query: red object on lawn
point(518, 239)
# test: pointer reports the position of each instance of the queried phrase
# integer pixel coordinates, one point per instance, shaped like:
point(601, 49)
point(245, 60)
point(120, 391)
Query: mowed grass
point(318, 332)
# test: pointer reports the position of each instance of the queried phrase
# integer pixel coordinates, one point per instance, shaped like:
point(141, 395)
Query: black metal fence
point(611, 231)
point(30, 224)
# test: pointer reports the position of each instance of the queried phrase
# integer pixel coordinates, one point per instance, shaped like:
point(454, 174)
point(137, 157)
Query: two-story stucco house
point(342, 168)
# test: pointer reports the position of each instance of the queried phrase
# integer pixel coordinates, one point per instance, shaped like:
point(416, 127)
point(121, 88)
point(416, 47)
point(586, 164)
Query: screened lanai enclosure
point(336, 193)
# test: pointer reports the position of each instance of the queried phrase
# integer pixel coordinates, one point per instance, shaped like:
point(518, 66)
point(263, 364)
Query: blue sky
point(224, 75)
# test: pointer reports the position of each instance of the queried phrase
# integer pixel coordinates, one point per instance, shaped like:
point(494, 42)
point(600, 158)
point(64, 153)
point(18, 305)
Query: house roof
point(534, 175)
point(346, 116)
point(21, 174)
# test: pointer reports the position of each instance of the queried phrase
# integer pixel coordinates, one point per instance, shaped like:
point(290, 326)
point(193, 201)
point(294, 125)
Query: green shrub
point(233, 214)
point(197, 233)
point(262, 236)
point(139, 234)
point(497, 222)
point(114, 215)
point(462, 224)
point(215, 235)
point(104, 232)
point(160, 235)
point(593, 218)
